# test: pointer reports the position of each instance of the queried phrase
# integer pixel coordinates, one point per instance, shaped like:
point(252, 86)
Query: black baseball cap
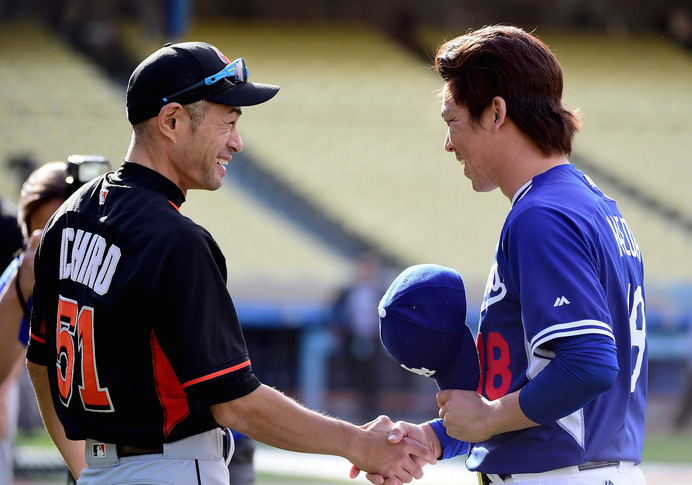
point(161, 77)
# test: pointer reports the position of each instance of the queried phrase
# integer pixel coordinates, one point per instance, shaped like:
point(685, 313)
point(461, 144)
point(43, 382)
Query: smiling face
point(470, 142)
point(205, 151)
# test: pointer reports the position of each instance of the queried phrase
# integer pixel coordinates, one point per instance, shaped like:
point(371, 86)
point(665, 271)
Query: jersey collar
point(521, 192)
point(138, 175)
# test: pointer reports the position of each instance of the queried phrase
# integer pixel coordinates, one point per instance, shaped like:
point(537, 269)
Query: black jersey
point(132, 315)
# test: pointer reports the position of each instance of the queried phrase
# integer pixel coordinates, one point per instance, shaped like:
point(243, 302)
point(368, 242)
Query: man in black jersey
point(136, 353)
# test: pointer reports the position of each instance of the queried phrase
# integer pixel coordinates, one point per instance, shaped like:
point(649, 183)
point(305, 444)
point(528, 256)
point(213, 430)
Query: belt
point(485, 479)
point(216, 444)
point(127, 450)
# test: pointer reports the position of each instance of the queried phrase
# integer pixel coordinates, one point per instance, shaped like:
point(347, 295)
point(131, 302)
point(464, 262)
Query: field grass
point(275, 479)
point(668, 448)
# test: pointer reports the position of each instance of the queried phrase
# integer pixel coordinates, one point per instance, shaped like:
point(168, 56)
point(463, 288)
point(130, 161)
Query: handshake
point(423, 327)
point(409, 448)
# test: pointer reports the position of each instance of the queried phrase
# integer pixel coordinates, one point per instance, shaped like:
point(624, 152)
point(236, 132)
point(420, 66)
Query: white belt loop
point(228, 445)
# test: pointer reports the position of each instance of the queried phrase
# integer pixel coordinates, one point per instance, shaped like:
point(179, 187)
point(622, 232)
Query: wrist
point(432, 440)
point(356, 449)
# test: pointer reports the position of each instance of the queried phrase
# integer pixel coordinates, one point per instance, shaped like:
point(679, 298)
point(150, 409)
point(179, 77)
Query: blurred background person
point(685, 413)
point(241, 468)
point(360, 362)
point(11, 239)
point(46, 188)
point(41, 194)
point(10, 243)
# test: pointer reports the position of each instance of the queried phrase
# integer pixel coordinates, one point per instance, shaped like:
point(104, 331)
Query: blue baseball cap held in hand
point(423, 326)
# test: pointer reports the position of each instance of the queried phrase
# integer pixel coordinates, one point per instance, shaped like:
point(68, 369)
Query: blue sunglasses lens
point(236, 71)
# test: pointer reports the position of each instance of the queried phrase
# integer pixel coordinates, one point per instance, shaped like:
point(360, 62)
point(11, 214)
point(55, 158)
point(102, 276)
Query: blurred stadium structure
point(349, 155)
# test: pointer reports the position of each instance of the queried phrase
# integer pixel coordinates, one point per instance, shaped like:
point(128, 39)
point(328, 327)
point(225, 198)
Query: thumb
point(396, 434)
point(442, 397)
point(355, 471)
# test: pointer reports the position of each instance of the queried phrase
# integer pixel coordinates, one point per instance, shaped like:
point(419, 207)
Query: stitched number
point(496, 376)
point(637, 333)
point(67, 318)
point(75, 331)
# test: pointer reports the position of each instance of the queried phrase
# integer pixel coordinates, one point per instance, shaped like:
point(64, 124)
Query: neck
point(153, 155)
point(527, 171)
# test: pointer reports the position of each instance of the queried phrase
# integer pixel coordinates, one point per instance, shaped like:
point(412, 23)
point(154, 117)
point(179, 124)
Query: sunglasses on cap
point(236, 72)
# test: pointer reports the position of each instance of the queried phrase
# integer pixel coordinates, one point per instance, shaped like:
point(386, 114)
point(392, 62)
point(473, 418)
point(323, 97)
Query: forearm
point(71, 451)
point(277, 420)
point(506, 415)
point(272, 418)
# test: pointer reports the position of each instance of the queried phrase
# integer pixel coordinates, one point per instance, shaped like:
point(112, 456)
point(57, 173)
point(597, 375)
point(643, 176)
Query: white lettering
point(87, 259)
point(495, 289)
point(91, 270)
point(103, 281)
point(634, 247)
point(624, 238)
point(81, 244)
point(67, 237)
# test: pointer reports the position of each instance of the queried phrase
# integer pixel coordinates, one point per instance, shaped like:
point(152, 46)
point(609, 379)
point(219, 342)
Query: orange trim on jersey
point(37, 338)
point(176, 207)
point(172, 397)
point(216, 374)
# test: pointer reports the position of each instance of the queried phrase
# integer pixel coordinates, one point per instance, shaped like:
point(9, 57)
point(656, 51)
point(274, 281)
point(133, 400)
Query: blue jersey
point(566, 265)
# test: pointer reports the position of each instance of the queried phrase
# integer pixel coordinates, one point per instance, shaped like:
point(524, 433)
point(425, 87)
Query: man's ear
point(169, 119)
point(498, 109)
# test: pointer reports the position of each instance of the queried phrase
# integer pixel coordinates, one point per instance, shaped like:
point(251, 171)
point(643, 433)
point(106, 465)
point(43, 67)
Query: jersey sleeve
point(554, 269)
point(198, 328)
point(584, 367)
point(451, 447)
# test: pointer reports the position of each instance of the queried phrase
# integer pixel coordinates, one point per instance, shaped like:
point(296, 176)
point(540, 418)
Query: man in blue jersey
point(562, 336)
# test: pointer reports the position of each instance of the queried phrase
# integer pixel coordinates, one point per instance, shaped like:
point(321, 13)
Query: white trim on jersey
point(521, 192)
point(575, 426)
point(571, 329)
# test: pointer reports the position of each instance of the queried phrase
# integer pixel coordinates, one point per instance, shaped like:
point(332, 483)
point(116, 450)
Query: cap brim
point(246, 94)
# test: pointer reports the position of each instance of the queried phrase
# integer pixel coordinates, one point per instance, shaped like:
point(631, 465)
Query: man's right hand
point(403, 431)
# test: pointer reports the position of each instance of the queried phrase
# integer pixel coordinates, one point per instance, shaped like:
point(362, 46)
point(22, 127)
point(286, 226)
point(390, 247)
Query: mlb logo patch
point(102, 196)
point(98, 450)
